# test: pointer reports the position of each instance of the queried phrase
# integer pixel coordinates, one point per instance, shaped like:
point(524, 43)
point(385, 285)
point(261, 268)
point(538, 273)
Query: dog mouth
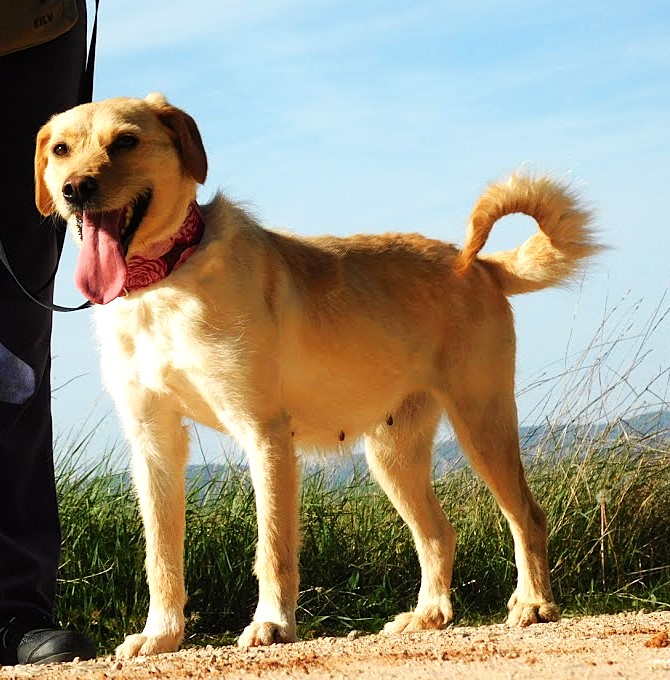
point(105, 238)
point(132, 216)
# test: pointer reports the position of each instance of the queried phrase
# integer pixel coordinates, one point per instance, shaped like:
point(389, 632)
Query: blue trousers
point(34, 84)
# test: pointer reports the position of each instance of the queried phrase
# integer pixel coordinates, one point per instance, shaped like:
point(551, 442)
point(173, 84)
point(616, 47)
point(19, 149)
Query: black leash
point(46, 305)
point(86, 88)
point(85, 96)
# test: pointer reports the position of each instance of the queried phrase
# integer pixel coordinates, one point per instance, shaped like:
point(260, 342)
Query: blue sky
point(342, 117)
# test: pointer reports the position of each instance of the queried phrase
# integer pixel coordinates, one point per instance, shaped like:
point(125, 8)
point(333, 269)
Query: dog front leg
point(159, 453)
point(274, 473)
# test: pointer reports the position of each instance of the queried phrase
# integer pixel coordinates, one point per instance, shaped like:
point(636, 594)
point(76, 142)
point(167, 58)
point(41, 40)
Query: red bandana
point(164, 257)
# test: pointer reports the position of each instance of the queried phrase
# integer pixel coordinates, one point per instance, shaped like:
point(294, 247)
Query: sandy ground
point(631, 646)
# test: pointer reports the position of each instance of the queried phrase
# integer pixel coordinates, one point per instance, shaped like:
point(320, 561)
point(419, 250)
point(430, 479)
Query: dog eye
point(126, 141)
point(61, 150)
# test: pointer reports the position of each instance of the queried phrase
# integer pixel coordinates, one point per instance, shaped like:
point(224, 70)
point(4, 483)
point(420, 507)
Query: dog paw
point(258, 634)
point(146, 645)
point(426, 618)
point(523, 614)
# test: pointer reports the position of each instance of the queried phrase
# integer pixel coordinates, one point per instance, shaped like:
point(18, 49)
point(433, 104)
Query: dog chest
point(150, 340)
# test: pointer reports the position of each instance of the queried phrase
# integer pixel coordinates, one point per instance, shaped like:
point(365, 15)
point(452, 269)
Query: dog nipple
point(341, 435)
point(389, 420)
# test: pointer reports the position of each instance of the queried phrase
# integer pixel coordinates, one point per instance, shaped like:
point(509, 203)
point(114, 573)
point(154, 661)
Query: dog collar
point(164, 257)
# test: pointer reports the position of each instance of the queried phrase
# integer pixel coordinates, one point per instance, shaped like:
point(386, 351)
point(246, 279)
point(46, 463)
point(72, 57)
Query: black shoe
point(23, 642)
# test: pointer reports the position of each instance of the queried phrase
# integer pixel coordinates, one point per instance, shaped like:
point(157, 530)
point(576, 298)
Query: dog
point(291, 344)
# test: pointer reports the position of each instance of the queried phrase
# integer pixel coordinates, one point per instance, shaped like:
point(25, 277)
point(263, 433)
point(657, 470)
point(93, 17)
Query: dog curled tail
point(550, 257)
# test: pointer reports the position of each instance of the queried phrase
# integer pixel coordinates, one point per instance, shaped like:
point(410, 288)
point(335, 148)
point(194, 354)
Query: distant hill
point(651, 429)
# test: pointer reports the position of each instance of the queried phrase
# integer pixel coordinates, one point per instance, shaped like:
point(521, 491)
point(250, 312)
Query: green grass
point(606, 493)
point(608, 513)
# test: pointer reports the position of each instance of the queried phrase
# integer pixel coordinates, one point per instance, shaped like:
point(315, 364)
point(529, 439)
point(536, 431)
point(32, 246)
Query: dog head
point(123, 173)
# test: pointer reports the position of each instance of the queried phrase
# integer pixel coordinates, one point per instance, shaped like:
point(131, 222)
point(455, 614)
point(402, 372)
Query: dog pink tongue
point(101, 268)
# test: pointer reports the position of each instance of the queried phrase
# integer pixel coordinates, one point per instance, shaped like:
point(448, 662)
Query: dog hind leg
point(486, 426)
point(399, 456)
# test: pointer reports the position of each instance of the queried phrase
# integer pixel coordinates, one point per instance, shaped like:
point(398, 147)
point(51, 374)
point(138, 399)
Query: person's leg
point(36, 83)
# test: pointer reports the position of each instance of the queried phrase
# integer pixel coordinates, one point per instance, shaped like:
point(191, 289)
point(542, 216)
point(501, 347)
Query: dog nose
point(80, 189)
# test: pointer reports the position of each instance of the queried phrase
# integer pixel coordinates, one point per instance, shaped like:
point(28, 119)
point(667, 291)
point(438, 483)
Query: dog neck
point(160, 259)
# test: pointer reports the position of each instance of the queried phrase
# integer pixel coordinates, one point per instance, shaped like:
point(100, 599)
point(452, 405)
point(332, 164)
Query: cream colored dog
point(292, 344)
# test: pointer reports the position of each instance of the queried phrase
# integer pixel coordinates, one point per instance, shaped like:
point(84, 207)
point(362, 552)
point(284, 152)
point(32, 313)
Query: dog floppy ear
point(185, 135)
point(43, 199)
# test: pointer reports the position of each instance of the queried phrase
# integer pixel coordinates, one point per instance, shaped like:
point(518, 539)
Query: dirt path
point(630, 646)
